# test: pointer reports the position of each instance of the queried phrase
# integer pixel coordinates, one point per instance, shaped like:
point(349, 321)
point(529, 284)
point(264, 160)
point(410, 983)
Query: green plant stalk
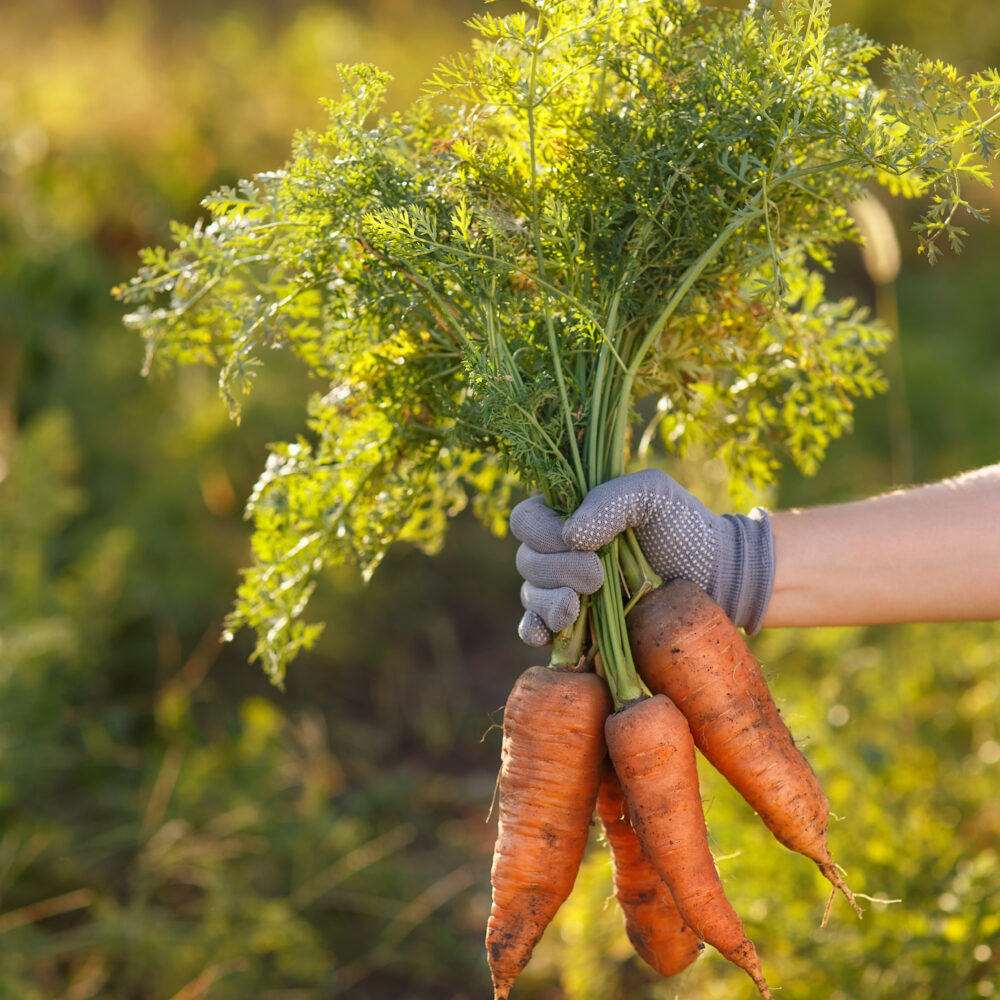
point(640, 577)
point(607, 440)
point(630, 573)
point(568, 646)
point(604, 464)
point(597, 424)
point(606, 447)
point(623, 679)
point(751, 212)
point(612, 409)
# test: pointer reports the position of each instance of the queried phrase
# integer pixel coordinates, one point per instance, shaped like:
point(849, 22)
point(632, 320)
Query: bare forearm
point(931, 553)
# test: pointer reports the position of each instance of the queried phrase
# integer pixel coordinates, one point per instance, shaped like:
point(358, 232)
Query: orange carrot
point(686, 648)
point(651, 748)
point(652, 922)
point(553, 748)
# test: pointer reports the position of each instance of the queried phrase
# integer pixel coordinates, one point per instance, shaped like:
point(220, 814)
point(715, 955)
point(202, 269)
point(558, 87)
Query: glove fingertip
point(524, 511)
point(537, 525)
point(564, 609)
point(532, 630)
point(593, 576)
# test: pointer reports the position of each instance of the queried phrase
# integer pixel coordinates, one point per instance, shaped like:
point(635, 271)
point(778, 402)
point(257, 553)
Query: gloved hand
point(730, 556)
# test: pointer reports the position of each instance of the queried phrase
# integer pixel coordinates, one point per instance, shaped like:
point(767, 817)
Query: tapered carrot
point(652, 751)
point(686, 648)
point(553, 749)
point(655, 928)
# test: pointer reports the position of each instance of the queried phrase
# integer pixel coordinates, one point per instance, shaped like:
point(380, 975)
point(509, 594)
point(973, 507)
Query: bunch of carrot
point(592, 208)
point(566, 753)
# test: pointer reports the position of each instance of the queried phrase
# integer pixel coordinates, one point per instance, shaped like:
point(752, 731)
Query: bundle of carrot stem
point(608, 201)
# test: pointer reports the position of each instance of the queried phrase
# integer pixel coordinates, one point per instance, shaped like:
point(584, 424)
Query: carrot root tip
point(832, 873)
point(501, 990)
point(762, 986)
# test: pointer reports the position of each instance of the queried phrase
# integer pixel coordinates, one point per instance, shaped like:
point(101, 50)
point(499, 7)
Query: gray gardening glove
point(731, 557)
point(554, 576)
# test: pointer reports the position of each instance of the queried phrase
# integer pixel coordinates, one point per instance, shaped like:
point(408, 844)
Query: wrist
point(744, 576)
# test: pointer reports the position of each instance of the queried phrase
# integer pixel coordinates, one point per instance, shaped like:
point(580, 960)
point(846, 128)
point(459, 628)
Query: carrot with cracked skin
point(655, 928)
point(553, 749)
point(686, 648)
point(652, 751)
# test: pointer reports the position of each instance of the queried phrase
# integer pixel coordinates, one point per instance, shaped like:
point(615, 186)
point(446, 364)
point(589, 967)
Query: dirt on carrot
point(686, 648)
point(553, 750)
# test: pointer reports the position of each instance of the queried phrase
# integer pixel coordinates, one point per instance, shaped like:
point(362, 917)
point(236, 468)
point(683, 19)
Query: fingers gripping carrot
point(553, 748)
point(686, 648)
point(651, 748)
point(652, 922)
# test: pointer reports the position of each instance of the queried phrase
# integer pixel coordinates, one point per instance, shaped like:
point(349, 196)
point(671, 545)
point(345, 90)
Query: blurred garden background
point(174, 828)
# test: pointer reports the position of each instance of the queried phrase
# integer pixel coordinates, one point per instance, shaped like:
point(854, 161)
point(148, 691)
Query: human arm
point(928, 553)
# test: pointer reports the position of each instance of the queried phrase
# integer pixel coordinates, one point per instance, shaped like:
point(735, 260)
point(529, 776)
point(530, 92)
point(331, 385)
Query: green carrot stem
point(640, 578)
point(619, 668)
point(568, 645)
point(599, 412)
point(649, 575)
point(631, 572)
point(740, 217)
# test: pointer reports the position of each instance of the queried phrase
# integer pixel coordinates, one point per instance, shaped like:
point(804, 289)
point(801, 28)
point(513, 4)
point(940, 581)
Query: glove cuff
point(744, 580)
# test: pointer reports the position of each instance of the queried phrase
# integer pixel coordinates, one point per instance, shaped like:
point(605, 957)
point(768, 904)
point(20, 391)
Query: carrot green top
point(605, 201)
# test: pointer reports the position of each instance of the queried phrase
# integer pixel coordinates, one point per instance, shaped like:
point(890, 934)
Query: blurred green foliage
point(168, 825)
point(173, 829)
